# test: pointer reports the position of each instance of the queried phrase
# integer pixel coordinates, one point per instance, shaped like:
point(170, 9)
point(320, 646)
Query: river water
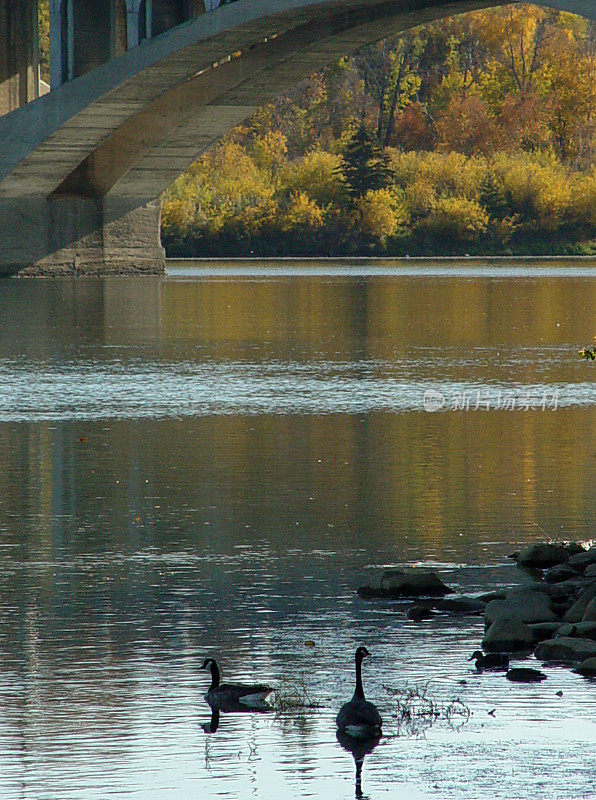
point(211, 462)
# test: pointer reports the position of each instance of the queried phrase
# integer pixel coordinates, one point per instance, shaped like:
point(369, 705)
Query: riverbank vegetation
point(469, 135)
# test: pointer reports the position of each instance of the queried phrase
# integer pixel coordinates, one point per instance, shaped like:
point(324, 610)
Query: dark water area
point(211, 462)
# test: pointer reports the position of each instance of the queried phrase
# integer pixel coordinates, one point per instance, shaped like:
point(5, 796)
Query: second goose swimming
point(358, 717)
point(232, 694)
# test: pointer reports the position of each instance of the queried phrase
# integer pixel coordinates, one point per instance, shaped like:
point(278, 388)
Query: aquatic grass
point(292, 696)
point(416, 710)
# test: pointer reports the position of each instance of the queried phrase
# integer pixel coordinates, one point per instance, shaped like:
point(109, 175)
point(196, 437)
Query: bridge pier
point(19, 58)
point(67, 235)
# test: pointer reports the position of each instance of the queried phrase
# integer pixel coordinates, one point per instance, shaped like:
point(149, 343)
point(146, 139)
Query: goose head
point(361, 654)
point(208, 664)
point(476, 654)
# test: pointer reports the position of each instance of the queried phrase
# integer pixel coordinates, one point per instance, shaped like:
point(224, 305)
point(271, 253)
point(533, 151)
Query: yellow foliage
point(457, 217)
point(302, 212)
point(448, 173)
point(381, 213)
point(420, 196)
point(254, 220)
point(316, 174)
point(583, 190)
point(269, 151)
point(539, 193)
point(176, 215)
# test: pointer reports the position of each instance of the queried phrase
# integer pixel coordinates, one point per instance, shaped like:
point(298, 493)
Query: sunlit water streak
point(112, 389)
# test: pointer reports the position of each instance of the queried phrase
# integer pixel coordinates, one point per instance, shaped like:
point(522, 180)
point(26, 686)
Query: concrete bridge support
point(70, 235)
point(19, 62)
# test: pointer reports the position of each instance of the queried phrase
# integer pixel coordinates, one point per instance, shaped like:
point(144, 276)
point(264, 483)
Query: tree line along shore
point(471, 135)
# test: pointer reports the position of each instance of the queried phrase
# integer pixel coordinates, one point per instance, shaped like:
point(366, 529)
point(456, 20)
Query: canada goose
point(232, 694)
point(358, 717)
point(525, 675)
point(490, 661)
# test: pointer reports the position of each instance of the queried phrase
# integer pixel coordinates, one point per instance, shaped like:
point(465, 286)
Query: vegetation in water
point(416, 710)
point(474, 134)
point(292, 696)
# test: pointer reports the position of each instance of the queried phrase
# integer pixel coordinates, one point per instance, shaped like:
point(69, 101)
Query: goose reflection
point(213, 724)
point(230, 707)
point(359, 748)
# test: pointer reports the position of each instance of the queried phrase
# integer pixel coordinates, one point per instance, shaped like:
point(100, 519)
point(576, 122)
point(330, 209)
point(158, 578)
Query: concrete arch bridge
point(139, 89)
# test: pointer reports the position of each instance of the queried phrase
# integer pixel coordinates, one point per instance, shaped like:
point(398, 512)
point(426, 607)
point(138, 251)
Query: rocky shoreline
point(553, 615)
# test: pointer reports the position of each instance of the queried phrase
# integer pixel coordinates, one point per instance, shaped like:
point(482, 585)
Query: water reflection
point(132, 542)
point(359, 748)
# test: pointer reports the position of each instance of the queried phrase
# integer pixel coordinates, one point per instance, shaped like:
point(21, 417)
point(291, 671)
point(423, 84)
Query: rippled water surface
point(211, 463)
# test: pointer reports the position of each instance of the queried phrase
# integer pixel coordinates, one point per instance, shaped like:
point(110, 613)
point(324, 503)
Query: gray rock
point(587, 630)
point(543, 555)
point(588, 667)
point(562, 572)
point(368, 592)
point(590, 571)
point(566, 649)
point(522, 605)
point(567, 629)
point(569, 588)
point(413, 583)
point(418, 613)
point(488, 596)
point(578, 609)
point(575, 547)
point(461, 605)
point(508, 636)
point(544, 630)
point(555, 591)
point(584, 558)
point(590, 612)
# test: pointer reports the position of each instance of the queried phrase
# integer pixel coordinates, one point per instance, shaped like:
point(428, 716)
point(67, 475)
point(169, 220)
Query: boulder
point(368, 592)
point(578, 609)
point(488, 596)
point(507, 636)
point(575, 547)
point(562, 572)
point(586, 630)
point(418, 613)
point(581, 560)
point(566, 629)
point(413, 583)
point(569, 588)
point(544, 630)
point(461, 605)
point(566, 649)
point(588, 667)
point(590, 612)
point(543, 555)
point(590, 571)
point(522, 605)
point(556, 591)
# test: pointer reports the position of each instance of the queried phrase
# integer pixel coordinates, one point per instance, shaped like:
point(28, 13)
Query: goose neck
point(214, 675)
point(359, 690)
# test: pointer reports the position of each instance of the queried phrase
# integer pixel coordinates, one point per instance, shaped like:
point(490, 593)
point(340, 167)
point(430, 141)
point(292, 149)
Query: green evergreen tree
point(363, 166)
point(491, 198)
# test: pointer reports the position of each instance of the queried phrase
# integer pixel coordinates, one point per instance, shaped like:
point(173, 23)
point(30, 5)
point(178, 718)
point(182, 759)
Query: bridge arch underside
point(85, 199)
